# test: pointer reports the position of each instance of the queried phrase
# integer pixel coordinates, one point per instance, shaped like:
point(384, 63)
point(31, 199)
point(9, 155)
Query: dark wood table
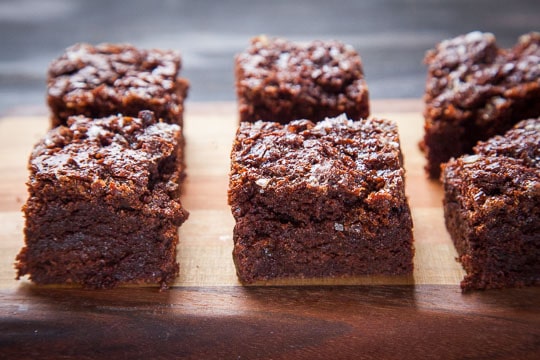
point(232, 322)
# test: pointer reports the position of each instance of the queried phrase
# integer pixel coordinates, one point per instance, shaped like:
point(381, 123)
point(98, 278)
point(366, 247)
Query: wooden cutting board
point(208, 314)
point(206, 238)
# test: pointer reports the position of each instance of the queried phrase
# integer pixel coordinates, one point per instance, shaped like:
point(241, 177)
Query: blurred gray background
point(390, 35)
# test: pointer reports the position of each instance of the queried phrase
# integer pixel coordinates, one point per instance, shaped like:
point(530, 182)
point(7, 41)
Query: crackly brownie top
point(504, 168)
point(487, 183)
point(471, 71)
point(522, 142)
point(117, 157)
point(338, 154)
point(115, 70)
point(301, 69)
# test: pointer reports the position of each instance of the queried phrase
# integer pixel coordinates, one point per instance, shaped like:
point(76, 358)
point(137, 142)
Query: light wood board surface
point(206, 238)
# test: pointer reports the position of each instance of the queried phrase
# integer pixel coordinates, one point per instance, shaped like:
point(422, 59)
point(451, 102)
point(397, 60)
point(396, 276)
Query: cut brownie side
point(280, 81)
point(319, 200)
point(476, 90)
point(104, 203)
point(110, 79)
point(492, 209)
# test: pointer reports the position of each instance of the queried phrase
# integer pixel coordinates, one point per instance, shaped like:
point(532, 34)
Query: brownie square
point(320, 199)
point(103, 206)
point(476, 90)
point(109, 79)
point(492, 209)
point(280, 81)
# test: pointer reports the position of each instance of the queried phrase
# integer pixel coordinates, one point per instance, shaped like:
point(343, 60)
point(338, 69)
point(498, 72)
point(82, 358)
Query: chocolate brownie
point(319, 200)
point(476, 90)
point(110, 79)
point(492, 209)
point(279, 80)
point(103, 206)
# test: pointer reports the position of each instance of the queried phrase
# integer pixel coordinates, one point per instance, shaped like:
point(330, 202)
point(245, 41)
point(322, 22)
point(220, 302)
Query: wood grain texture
point(207, 314)
point(366, 322)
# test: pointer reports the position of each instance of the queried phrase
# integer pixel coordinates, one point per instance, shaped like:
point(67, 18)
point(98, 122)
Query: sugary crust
point(521, 142)
point(333, 156)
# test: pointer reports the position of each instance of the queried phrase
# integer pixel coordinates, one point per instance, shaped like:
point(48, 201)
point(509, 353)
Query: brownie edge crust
point(320, 199)
point(103, 206)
